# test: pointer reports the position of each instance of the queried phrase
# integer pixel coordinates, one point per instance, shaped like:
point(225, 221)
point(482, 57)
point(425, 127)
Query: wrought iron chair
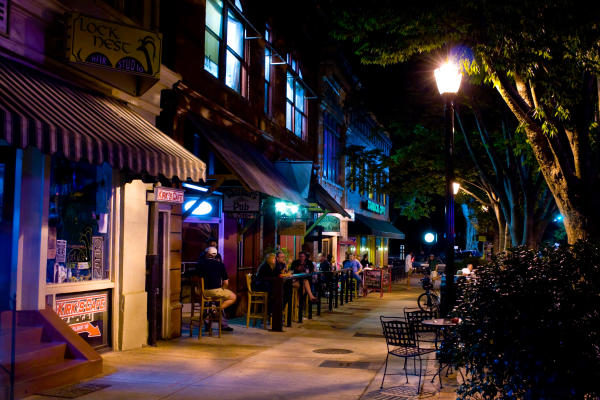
point(402, 342)
point(414, 316)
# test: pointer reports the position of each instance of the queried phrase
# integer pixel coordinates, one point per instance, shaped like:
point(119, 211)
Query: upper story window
point(296, 107)
point(268, 55)
point(224, 44)
point(134, 9)
point(331, 148)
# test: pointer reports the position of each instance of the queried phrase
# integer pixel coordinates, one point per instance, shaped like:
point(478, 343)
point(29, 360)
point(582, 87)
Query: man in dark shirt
point(216, 280)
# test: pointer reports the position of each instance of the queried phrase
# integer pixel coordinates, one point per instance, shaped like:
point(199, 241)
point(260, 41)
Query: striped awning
point(44, 112)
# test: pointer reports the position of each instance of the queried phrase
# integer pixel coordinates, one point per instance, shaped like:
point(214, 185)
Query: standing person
point(351, 262)
point(216, 281)
point(432, 265)
point(365, 261)
point(408, 263)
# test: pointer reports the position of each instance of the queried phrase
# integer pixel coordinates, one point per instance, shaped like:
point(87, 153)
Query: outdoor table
point(277, 292)
point(442, 324)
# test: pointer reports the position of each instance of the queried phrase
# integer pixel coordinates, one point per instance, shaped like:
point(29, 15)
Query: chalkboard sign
point(376, 279)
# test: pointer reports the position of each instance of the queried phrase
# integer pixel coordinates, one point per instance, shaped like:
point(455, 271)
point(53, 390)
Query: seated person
point(268, 269)
point(351, 262)
point(215, 280)
point(302, 266)
point(468, 271)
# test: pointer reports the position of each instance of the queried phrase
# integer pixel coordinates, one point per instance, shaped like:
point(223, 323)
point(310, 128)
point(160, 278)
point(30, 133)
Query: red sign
point(82, 327)
point(168, 195)
point(74, 306)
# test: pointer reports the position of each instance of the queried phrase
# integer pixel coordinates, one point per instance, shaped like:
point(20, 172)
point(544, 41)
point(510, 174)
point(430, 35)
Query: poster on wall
point(51, 243)
point(61, 251)
point(87, 314)
point(97, 257)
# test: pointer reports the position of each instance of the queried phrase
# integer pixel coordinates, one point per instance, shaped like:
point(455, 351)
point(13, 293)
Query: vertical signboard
point(87, 314)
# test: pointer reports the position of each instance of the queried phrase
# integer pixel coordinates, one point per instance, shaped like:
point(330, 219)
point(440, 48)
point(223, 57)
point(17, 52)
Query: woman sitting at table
point(268, 269)
point(304, 266)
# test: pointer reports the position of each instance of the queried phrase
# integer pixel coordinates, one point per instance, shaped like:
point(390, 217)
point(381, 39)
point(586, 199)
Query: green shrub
point(530, 325)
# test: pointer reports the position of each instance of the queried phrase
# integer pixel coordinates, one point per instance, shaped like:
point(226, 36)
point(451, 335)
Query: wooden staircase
point(48, 353)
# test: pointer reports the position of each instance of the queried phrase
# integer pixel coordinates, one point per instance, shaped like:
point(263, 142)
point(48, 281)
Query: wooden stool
point(205, 304)
point(254, 300)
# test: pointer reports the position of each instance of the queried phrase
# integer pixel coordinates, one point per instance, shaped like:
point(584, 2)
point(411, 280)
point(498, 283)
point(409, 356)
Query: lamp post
point(448, 78)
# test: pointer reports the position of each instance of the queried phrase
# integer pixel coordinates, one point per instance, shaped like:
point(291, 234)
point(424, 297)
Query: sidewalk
point(339, 355)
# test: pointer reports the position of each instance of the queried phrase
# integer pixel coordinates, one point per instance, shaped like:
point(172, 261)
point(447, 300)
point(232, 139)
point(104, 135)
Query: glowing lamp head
point(455, 187)
point(281, 207)
point(429, 237)
point(448, 78)
point(203, 208)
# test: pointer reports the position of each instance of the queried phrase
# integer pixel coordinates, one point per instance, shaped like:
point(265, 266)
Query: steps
point(47, 353)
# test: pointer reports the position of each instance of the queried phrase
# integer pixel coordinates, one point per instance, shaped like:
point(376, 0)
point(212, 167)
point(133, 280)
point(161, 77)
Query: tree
point(542, 57)
point(507, 172)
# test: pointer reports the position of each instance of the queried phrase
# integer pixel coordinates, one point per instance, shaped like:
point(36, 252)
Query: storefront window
point(78, 221)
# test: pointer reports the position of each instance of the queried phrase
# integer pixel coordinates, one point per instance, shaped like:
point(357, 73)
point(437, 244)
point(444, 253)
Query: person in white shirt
point(408, 262)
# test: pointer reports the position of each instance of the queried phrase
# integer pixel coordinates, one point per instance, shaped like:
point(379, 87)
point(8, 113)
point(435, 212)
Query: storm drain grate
point(73, 391)
point(345, 364)
point(332, 351)
point(372, 335)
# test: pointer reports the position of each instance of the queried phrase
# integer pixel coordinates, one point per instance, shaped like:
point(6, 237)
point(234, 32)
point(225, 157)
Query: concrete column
point(133, 319)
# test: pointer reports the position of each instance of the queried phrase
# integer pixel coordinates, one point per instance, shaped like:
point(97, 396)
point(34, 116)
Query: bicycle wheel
point(428, 302)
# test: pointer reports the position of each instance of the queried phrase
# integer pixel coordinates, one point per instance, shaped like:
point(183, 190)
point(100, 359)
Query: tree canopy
point(542, 57)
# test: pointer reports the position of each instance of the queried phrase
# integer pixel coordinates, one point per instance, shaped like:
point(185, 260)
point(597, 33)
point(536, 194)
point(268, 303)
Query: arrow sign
point(92, 331)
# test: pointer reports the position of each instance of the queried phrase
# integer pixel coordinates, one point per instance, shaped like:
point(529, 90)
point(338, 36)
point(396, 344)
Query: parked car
point(422, 261)
point(461, 255)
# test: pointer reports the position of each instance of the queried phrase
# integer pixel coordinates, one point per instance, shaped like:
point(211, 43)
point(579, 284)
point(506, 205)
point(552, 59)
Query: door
point(154, 284)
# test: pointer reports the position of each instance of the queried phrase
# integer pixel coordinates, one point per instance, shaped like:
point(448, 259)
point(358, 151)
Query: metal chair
point(254, 300)
point(414, 316)
point(402, 342)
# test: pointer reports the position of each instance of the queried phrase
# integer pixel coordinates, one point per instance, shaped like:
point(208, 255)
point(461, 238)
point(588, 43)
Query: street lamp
point(448, 78)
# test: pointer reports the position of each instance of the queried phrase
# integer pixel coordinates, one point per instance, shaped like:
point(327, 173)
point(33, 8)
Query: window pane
point(267, 65)
point(211, 54)
point(233, 69)
point(238, 4)
point(214, 10)
point(298, 124)
point(288, 116)
point(299, 96)
point(289, 90)
point(78, 218)
point(235, 34)
point(267, 98)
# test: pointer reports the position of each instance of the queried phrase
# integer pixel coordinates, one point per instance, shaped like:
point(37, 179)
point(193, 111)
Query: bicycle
point(430, 300)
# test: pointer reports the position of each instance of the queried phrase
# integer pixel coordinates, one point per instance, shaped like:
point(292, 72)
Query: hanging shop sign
point(372, 206)
point(113, 46)
point(291, 228)
point(168, 195)
point(330, 224)
point(241, 202)
point(87, 314)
